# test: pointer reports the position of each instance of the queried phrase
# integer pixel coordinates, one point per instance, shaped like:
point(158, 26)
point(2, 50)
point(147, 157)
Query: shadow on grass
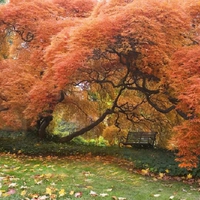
point(155, 160)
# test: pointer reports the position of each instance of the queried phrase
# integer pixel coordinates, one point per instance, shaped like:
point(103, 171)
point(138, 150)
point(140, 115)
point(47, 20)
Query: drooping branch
point(87, 128)
point(154, 105)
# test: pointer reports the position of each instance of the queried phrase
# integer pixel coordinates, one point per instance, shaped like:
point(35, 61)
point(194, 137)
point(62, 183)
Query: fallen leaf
point(62, 193)
point(171, 197)
point(189, 176)
point(145, 171)
point(167, 170)
point(156, 195)
point(23, 187)
point(16, 168)
point(23, 192)
point(43, 197)
point(12, 185)
point(38, 182)
point(93, 193)
point(48, 191)
point(103, 194)
point(161, 175)
point(78, 194)
point(114, 197)
point(11, 191)
point(121, 198)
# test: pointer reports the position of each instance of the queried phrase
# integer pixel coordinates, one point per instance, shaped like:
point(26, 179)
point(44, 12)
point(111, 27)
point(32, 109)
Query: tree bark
point(43, 123)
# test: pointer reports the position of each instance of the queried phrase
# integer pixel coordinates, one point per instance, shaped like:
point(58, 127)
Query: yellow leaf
point(48, 175)
point(16, 168)
point(189, 176)
point(71, 192)
point(62, 192)
point(23, 193)
point(161, 175)
point(5, 194)
point(167, 171)
point(145, 171)
point(48, 191)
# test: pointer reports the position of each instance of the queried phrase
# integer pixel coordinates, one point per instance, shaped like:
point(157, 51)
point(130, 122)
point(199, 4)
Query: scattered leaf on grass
point(171, 197)
point(78, 194)
point(62, 193)
point(43, 197)
point(93, 193)
point(12, 185)
point(11, 191)
point(38, 182)
point(103, 194)
point(121, 198)
point(48, 191)
point(23, 192)
point(156, 195)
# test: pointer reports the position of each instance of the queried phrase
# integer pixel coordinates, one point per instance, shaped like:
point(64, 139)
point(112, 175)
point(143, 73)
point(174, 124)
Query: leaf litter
point(32, 178)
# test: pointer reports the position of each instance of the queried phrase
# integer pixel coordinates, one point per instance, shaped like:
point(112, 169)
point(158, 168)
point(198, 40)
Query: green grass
point(157, 160)
point(29, 177)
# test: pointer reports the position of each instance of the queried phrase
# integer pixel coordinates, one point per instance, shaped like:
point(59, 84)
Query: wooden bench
point(139, 139)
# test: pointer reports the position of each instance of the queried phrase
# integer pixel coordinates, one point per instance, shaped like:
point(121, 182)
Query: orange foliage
point(30, 26)
point(184, 79)
point(50, 40)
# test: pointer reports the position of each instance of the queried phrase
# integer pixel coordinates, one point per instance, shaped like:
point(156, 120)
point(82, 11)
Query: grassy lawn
point(24, 177)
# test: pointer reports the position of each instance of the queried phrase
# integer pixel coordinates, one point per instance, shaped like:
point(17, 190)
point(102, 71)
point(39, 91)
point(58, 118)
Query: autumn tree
point(32, 24)
point(126, 53)
point(140, 46)
point(109, 59)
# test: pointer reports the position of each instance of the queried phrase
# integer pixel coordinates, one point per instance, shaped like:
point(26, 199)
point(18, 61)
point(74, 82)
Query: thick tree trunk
point(44, 122)
point(87, 128)
point(42, 125)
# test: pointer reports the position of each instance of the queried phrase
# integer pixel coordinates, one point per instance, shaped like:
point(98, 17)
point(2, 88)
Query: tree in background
point(111, 60)
point(31, 24)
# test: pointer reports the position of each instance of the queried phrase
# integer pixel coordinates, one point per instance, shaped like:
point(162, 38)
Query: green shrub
point(79, 140)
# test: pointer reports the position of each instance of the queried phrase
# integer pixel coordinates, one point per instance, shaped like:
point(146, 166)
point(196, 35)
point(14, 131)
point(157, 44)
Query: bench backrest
point(141, 137)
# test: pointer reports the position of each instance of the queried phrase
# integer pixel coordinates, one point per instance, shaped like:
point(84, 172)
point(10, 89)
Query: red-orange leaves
point(76, 8)
point(184, 71)
point(187, 141)
point(184, 76)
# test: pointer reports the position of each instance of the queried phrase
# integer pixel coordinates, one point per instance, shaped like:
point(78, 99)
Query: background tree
point(25, 67)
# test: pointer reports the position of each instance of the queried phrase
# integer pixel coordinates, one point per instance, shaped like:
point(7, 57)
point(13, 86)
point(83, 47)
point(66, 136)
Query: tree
point(31, 24)
point(185, 68)
point(135, 49)
point(115, 55)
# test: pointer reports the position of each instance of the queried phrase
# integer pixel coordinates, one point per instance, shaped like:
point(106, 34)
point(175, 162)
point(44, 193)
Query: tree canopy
point(125, 63)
